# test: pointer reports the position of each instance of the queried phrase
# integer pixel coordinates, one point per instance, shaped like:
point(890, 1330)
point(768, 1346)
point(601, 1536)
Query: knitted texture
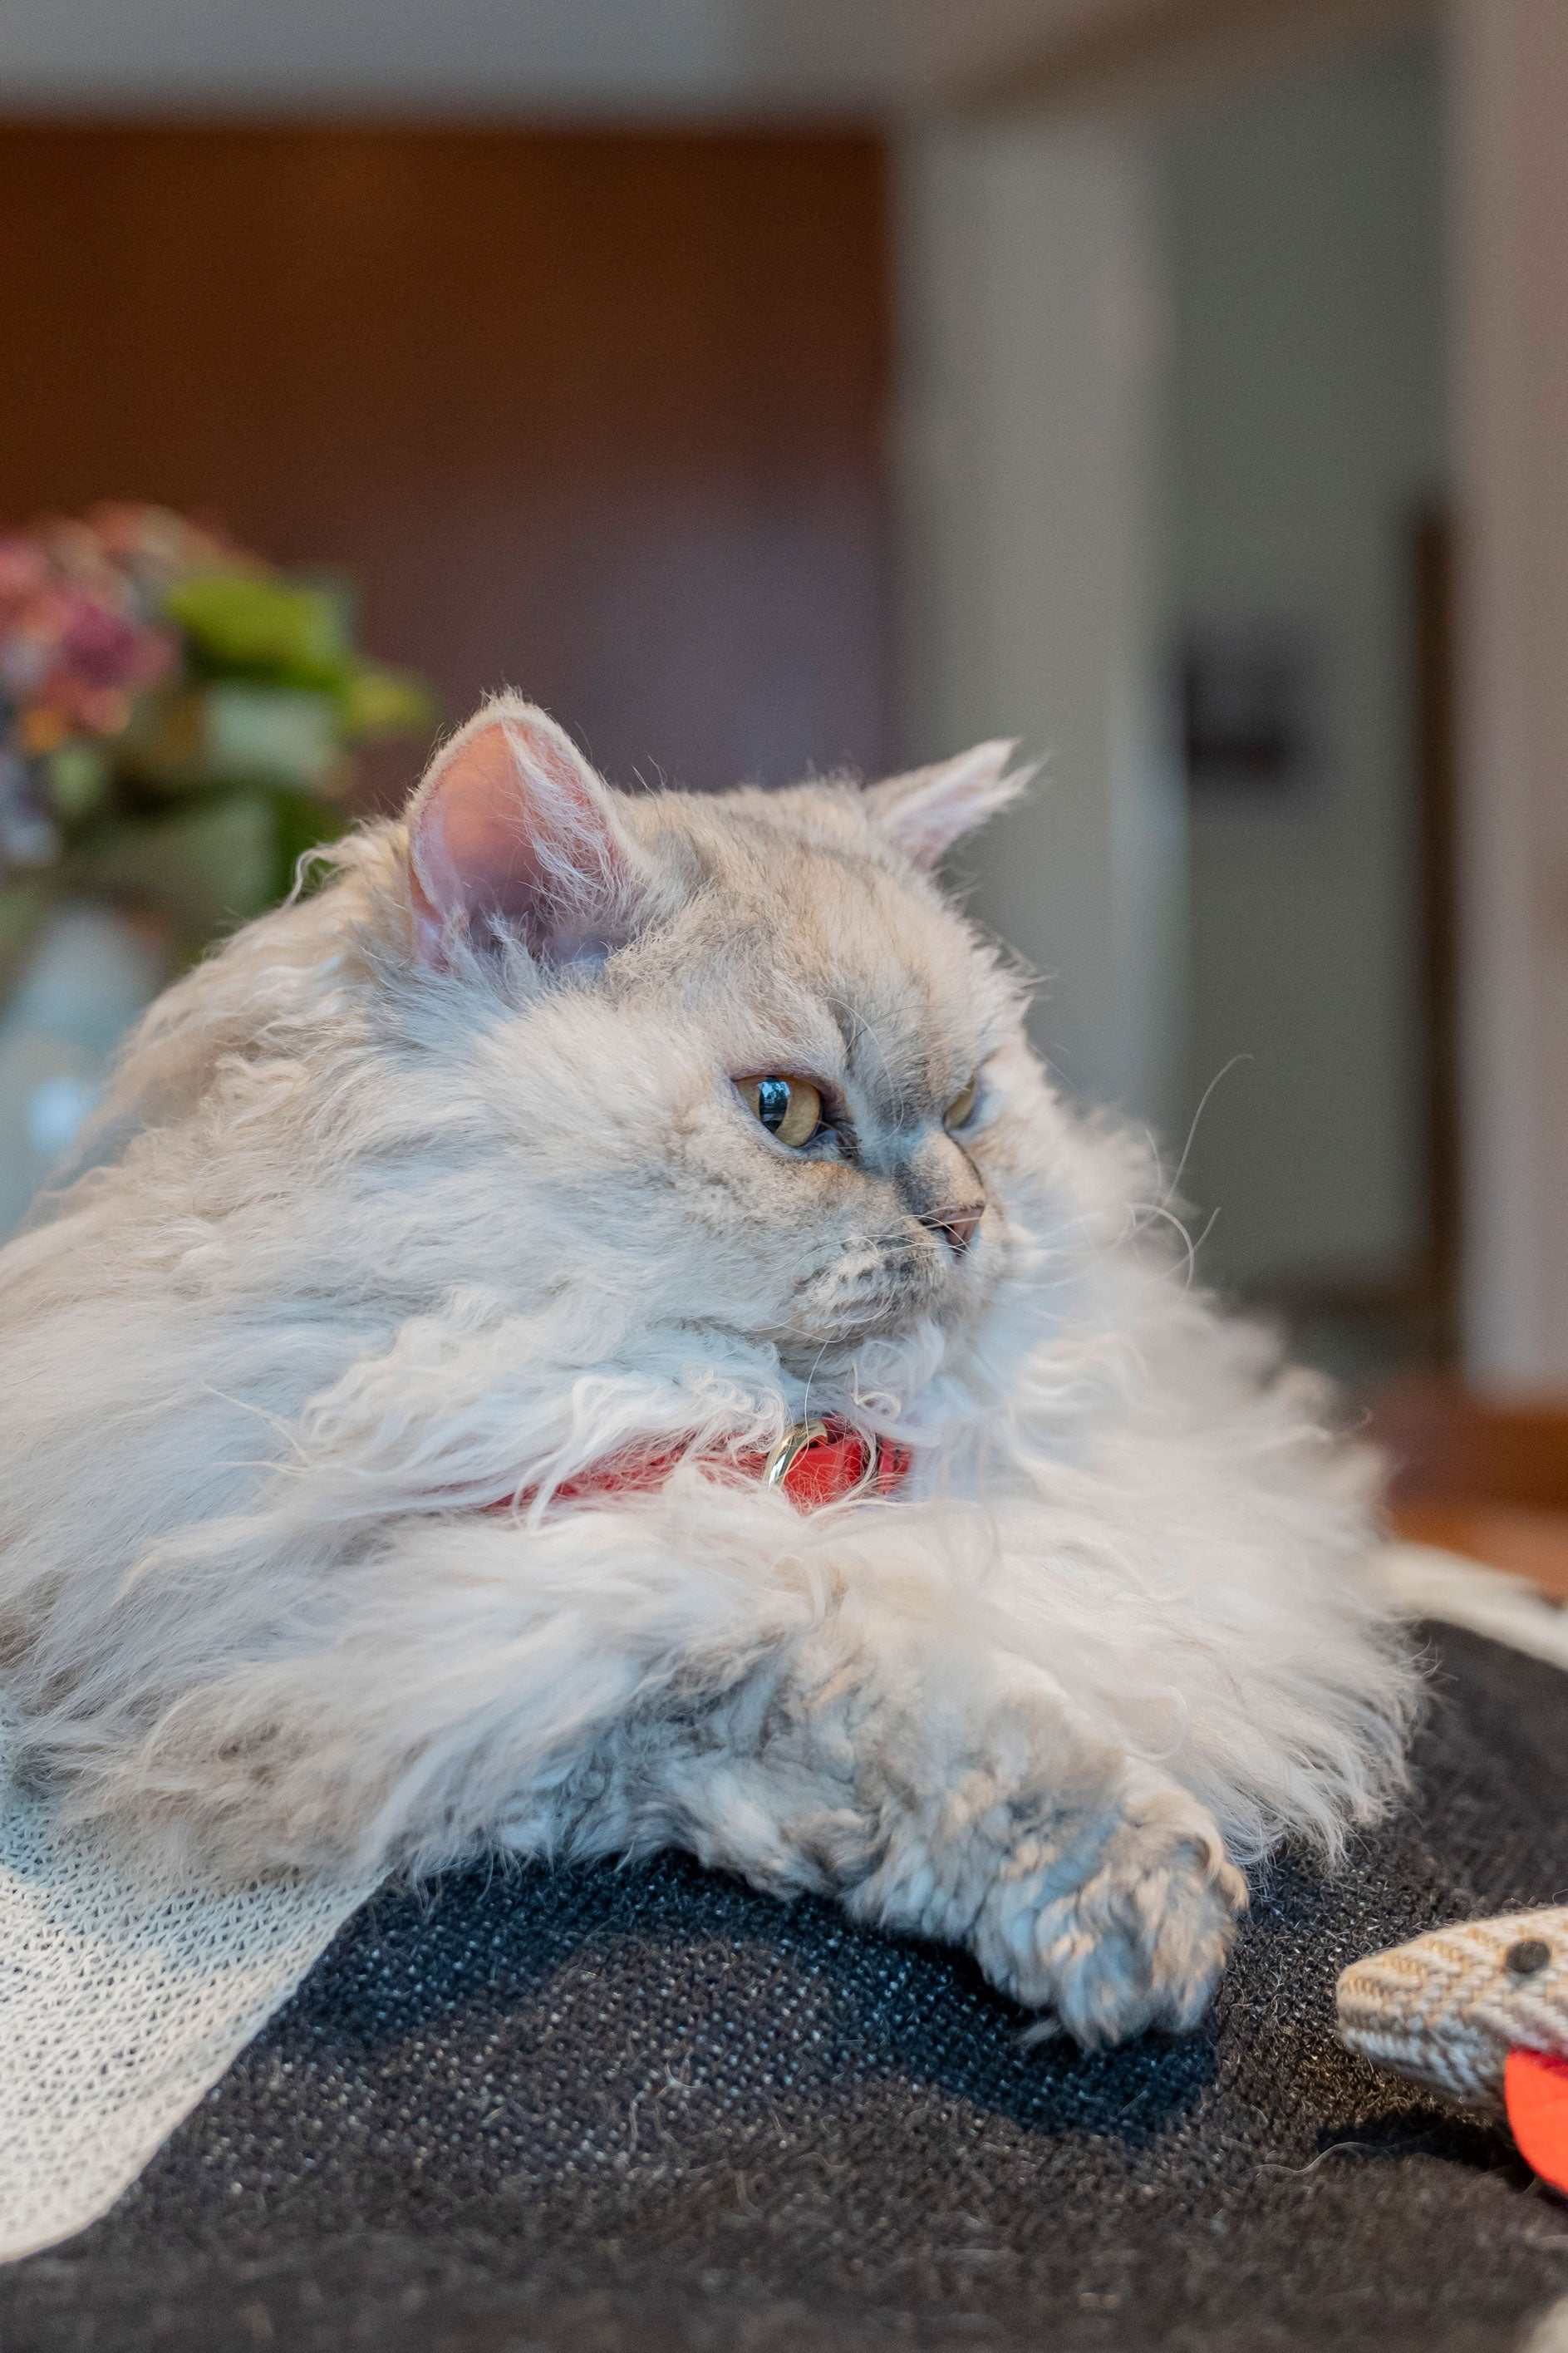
point(1446, 2007)
point(120, 2008)
point(646, 2110)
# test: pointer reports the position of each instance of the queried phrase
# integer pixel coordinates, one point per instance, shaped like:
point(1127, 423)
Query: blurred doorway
point(1305, 242)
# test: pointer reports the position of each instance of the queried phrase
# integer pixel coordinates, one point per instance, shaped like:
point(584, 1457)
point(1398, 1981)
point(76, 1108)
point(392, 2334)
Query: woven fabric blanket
point(610, 2111)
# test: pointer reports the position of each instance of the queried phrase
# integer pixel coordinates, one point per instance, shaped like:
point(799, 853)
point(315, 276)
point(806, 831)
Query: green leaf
point(377, 701)
point(259, 626)
point(23, 907)
point(207, 868)
point(302, 825)
point(79, 780)
point(278, 734)
point(233, 731)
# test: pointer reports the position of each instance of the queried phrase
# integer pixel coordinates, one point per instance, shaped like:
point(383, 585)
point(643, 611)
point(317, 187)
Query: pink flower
point(76, 642)
point(24, 567)
point(102, 649)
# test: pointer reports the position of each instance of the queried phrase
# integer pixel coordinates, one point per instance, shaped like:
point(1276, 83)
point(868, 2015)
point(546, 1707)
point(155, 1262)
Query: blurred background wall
point(1308, 389)
point(1180, 385)
point(597, 413)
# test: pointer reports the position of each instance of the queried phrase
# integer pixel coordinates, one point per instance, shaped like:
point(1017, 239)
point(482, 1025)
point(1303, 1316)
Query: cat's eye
point(790, 1109)
point(961, 1110)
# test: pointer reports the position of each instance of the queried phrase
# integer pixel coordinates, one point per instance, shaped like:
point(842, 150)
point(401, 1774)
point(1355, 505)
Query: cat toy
point(1478, 2014)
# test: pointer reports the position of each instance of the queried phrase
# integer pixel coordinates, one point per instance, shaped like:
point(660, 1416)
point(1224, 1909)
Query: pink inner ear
point(924, 813)
point(513, 829)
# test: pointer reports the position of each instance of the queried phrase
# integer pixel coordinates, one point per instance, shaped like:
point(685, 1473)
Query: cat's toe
point(1141, 1940)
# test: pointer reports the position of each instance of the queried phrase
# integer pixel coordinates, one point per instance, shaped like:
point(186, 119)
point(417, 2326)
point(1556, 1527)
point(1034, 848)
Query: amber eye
point(961, 1108)
point(790, 1109)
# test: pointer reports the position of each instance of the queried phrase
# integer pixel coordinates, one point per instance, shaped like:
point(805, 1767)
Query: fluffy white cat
point(389, 1406)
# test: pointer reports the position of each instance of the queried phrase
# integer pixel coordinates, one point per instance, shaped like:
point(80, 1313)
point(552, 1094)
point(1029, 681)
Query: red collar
point(813, 1463)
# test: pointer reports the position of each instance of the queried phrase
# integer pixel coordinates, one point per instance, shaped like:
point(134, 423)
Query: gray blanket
point(611, 2111)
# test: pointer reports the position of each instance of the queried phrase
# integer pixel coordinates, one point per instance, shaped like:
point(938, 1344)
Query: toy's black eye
point(1530, 1953)
point(790, 1109)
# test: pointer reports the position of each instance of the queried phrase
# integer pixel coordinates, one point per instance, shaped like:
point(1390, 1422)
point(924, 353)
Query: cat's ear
point(511, 832)
point(924, 812)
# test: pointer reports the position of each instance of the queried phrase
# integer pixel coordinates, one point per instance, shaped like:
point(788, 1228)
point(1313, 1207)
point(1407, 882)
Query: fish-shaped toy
point(1477, 2013)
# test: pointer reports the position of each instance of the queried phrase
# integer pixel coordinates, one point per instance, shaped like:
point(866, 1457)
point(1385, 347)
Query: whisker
point(1223, 1073)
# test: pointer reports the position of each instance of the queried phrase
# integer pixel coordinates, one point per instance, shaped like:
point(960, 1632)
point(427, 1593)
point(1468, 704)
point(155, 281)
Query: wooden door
point(597, 416)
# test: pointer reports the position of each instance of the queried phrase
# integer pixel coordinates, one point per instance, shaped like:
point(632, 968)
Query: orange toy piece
point(1536, 2086)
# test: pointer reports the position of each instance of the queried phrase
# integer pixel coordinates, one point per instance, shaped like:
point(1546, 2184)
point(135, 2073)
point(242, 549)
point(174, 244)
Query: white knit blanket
point(119, 2012)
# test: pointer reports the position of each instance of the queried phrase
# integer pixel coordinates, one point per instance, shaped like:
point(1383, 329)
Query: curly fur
point(397, 1212)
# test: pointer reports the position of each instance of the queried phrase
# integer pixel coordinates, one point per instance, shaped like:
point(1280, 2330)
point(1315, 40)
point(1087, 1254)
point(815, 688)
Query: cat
point(401, 1405)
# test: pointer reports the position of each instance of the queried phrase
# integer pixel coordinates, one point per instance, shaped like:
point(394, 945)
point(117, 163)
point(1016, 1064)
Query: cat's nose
point(957, 1225)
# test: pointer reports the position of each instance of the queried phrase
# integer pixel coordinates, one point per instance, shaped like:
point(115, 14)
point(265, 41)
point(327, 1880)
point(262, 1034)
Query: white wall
point(640, 58)
point(1511, 75)
point(630, 57)
point(1032, 473)
point(1305, 256)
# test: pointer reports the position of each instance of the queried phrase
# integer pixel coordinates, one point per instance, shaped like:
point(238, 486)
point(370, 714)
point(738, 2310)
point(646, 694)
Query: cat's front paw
point(1139, 1941)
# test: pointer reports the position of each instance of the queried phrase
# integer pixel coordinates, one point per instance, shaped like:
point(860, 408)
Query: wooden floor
point(1486, 1480)
point(1529, 1544)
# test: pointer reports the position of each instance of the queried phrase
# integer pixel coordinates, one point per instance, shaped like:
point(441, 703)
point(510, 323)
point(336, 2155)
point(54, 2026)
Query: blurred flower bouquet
point(178, 724)
point(177, 719)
